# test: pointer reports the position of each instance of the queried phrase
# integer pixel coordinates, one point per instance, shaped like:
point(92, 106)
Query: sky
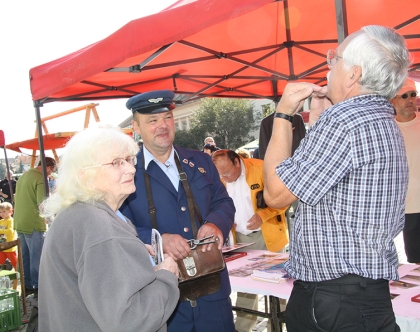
point(36, 32)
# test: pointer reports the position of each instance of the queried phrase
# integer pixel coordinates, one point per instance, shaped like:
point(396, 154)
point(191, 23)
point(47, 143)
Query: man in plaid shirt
point(350, 175)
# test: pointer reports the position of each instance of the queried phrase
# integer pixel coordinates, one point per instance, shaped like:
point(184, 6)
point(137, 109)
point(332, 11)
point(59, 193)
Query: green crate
point(10, 319)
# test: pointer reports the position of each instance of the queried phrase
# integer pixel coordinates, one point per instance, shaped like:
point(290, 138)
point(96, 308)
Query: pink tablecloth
point(407, 312)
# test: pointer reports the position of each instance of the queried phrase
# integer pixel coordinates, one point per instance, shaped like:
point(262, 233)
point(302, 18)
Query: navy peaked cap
point(152, 102)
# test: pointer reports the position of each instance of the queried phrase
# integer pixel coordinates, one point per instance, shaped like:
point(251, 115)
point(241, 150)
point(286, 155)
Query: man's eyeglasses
point(225, 175)
point(118, 162)
point(332, 57)
point(406, 95)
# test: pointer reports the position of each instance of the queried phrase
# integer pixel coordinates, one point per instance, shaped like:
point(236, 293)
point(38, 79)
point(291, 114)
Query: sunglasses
point(406, 95)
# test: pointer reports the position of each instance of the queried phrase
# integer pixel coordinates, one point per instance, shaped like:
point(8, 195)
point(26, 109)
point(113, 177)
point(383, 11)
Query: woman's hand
point(168, 264)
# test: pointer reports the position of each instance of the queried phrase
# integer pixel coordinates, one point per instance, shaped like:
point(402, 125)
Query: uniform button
point(183, 208)
point(186, 229)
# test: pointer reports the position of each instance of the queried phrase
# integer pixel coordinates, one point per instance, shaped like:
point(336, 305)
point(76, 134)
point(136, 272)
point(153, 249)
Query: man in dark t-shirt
point(5, 188)
point(266, 128)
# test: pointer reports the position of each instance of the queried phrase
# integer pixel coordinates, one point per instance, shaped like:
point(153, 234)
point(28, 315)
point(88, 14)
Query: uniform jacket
point(172, 213)
point(274, 231)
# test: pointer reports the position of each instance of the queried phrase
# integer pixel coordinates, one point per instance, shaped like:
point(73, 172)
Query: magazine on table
point(232, 255)
point(157, 246)
point(273, 272)
point(236, 246)
point(266, 267)
point(402, 284)
point(411, 276)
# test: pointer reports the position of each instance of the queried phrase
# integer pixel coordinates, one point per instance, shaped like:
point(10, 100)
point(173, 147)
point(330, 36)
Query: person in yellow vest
point(254, 221)
point(7, 234)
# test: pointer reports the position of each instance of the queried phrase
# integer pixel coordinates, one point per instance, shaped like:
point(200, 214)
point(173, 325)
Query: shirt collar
point(148, 157)
point(243, 169)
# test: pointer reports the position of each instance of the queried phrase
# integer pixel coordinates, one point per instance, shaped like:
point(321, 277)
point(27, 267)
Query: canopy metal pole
point(341, 19)
point(37, 104)
point(2, 144)
point(8, 177)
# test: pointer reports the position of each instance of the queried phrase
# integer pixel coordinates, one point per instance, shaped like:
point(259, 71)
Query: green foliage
point(21, 168)
point(267, 109)
point(229, 121)
point(187, 139)
point(2, 171)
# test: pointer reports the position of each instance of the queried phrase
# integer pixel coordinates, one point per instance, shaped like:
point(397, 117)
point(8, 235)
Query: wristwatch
point(284, 116)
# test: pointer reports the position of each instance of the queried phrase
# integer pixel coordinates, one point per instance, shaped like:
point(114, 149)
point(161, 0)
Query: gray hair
point(86, 148)
point(383, 56)
point(205, 140)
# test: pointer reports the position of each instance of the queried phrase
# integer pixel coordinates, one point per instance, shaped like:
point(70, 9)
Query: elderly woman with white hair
point(95, 273)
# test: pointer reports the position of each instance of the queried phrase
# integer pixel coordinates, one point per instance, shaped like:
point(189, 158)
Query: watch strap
point(284, 116)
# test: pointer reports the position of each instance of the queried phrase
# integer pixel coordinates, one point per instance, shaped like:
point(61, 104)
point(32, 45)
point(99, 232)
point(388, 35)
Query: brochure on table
point(236, 246)
point(267, 267)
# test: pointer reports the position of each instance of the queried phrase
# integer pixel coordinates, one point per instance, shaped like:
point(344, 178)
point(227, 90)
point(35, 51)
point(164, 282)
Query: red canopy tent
point(51, 142)
point(218, 48)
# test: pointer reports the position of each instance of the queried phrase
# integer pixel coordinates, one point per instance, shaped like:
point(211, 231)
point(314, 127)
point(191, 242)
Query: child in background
point(7, 233)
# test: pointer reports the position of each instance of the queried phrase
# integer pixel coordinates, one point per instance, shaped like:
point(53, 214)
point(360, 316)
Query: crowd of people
point(347, 177)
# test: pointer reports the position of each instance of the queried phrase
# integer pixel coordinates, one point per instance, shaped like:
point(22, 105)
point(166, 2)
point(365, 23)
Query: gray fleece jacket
point(96, 275)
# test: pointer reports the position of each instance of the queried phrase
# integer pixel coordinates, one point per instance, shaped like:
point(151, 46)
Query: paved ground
point(261, 325)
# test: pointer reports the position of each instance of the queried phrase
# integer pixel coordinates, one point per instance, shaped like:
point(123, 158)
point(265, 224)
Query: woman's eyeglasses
point(118, 162)
point(406, 95)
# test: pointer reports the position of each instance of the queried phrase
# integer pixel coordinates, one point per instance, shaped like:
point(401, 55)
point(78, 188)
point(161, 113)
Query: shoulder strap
point(192, 205)
point(152, 209)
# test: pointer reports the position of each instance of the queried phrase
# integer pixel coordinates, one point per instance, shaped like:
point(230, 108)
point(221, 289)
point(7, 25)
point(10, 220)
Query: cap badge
point(155, 100)
point(201, 170)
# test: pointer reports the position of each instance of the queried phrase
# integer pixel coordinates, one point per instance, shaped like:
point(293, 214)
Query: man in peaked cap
point(408, 120)
point(158, 158)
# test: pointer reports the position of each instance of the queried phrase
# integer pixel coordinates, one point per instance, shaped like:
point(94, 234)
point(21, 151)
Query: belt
point(348, 279)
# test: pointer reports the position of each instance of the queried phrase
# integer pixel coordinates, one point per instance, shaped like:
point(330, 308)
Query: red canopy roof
point(235, 48)
point(51, 142)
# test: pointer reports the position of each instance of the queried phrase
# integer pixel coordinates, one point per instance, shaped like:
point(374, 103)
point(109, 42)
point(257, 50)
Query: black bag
point(260, 200)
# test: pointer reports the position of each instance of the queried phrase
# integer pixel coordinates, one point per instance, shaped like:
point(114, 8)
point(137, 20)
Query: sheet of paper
point(236, 246)
point(157, 246)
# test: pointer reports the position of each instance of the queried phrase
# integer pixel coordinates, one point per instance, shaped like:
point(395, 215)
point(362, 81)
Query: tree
point(21, 168)
point(188, 139)
point(2, 171)
point(267, 109)
point(229, 121)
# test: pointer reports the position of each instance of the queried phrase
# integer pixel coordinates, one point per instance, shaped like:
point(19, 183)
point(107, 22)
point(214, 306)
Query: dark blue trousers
point(347, 304)
point(207, 316)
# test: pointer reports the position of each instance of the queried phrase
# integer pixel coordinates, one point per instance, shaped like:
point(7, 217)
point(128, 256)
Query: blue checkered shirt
point(350, 173)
